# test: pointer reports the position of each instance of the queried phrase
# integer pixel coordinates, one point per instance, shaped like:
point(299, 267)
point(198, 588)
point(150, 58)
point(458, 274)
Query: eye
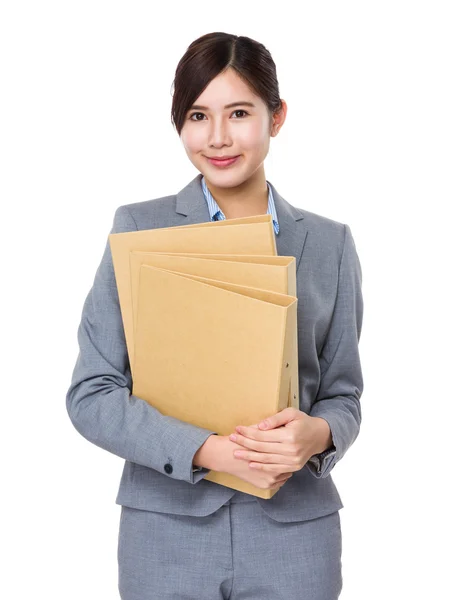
point(239, 110)
point(193, 114)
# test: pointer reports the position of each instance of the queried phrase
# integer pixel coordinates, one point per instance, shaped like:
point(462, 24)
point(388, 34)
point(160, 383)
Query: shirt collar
point(216, 213)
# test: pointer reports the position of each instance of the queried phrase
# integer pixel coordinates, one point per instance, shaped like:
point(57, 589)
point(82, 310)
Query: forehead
point(226, 88)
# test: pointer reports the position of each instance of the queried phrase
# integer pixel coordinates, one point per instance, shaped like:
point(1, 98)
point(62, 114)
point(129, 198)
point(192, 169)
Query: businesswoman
point(182, 536)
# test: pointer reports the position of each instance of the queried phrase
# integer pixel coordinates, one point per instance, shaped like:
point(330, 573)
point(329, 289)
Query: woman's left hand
point(289, 437)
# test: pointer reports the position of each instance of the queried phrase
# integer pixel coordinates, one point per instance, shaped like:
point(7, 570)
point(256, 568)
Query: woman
point(182, 536)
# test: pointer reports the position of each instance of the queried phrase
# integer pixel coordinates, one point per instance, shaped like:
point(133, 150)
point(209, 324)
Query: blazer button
point(168, 468)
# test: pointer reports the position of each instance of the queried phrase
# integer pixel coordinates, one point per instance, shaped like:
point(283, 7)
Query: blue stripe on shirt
point(216, 213)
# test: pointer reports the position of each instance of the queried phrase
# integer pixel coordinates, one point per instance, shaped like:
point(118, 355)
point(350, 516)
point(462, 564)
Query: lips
point(223, 162)
point(223, 157)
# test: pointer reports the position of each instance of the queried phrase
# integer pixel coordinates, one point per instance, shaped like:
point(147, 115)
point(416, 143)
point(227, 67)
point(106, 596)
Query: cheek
point(254, 138)
point(192, 141)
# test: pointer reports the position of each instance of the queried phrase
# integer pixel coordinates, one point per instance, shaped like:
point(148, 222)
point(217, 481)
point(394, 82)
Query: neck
point(245, 200)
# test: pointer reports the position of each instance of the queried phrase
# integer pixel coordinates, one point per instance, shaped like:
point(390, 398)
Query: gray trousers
point(236, 553)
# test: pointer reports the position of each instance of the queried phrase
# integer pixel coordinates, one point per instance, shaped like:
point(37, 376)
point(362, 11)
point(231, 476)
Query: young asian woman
point(182, 536)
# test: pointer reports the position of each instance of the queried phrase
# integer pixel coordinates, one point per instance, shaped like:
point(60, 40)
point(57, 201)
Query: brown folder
point(273, 273)
point(247, 235)
point(213, 353)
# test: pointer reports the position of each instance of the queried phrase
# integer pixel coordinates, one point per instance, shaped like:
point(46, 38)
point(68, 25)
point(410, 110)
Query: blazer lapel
point(291, 239)
point(292, 230)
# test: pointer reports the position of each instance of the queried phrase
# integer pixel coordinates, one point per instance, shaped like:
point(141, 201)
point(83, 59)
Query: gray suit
point(158, 449)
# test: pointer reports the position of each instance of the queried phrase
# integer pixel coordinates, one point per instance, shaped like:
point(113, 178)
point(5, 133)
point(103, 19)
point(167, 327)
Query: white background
point(373, 138)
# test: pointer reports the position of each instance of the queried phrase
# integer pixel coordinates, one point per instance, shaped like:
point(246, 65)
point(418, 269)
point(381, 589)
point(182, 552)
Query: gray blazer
point(158, 449)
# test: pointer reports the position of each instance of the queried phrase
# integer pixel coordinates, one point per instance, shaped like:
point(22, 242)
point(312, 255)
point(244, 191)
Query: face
point(213, 128)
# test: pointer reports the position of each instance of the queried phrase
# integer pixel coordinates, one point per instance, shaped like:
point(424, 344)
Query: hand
point(283, 442)
point(270, 479)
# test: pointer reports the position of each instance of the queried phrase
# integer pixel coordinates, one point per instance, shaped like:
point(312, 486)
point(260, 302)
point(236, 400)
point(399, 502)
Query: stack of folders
point(210, 319)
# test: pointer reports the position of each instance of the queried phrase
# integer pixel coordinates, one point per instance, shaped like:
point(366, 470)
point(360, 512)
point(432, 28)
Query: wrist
point(325, 435)
point(207, 454)
point(226, 460)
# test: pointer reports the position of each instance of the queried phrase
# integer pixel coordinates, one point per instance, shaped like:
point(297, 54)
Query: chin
point(226, 178)
point(227, 182)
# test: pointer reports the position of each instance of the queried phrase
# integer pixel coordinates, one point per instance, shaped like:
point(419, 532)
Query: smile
point(223, 163)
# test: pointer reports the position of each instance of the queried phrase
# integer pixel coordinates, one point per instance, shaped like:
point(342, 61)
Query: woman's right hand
point(228, 463)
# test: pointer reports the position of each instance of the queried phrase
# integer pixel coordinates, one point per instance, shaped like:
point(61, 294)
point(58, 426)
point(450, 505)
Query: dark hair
point(212, 53)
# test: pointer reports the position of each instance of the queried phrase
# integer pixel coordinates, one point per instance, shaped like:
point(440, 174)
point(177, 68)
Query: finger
point(265, 458)
point(245, 445)
point(275, 468)
point(285, 476)
point(281, 418)
point(280, 434)
point(279, 483)
point(281, 449)
point(284, 479)
point(276, 486)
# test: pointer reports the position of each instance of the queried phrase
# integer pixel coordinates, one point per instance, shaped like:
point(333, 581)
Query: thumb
point(277, 420)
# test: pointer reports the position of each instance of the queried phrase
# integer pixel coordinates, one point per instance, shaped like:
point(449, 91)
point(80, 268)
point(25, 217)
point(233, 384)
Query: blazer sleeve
point(341, 380)
point(99, 400)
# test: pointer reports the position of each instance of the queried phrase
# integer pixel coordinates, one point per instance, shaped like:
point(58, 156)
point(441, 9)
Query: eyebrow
point(198, 107)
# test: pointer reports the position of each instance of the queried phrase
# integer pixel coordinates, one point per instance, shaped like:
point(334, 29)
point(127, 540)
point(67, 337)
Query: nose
point(219, 134)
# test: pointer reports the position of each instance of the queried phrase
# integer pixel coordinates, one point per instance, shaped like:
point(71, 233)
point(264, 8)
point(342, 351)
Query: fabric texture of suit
point(158, 449)
point(235, 553)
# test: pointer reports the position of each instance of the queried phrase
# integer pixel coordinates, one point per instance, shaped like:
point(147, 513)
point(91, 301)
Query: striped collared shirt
point(216, 213)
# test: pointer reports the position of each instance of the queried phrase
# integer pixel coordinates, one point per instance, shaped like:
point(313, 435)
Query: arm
point(99, 400)
point(207, 456)
point(217, 453)
point(341, 384)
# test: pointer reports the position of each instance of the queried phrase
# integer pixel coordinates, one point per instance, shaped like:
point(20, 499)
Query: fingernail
point(233, 438)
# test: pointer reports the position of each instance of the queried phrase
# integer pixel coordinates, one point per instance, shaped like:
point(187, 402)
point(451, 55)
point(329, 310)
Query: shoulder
point(331, 240)
point(148, 214)
point(329, 244)
point(324, 233)
point(316, 221)
point(318, 226)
